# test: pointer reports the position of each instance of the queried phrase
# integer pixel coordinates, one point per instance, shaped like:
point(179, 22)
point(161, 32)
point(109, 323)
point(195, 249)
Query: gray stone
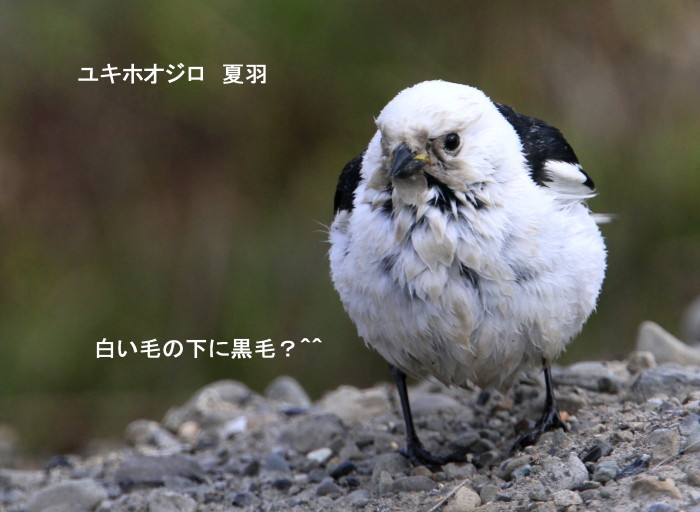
point(149, 433)
point(505, 470)
point(63, 507)
point(665, 347)
point(588, 494)
point(659, 507)
point(693, 474)
point(352, 404)
point(568, 474)
point(640, 360)
point(566, 498)
point(605, 471)
point(431, 404)
point(663, 380)
point(163, 500)
point(282, 484)
point(391, 463)
point(454, 471)
point(320, 455)
point(315, 431)
point(317, 475)
point(288, 390)
point(651, 487)
point(592, 375)
point(243, 499)
point(465, 499)
point(276, 463)
point(689, 424)
point(212, 405)
point(24, 480)
point(143, 471)
point(521, 471)
point(488, 493)
point(85, 493)
point(343, 469)
point(383, 482)
point(413, 484)
point(692, 442)
point(357, 499)
point(664, 444)
point(595, 452)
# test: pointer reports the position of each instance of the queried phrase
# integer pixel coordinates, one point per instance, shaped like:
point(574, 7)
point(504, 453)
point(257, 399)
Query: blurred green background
point(196, 210)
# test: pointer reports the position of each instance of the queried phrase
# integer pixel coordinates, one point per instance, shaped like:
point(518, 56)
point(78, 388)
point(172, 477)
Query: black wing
point(542, 143)
point(347, 183)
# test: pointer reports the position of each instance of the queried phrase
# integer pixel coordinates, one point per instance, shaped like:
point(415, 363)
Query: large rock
point(315, 431)
point(665, 347)
point(212, 405)
point(353, 404)
point(142, 471)
point(667, 380)
point(84, 494)
point(564, 474)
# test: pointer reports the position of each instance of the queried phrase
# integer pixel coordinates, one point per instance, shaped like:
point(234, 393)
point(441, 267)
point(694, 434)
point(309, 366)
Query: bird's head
point(441, 132)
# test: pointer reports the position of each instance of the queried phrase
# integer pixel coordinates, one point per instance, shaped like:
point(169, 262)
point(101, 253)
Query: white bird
point(462, 246)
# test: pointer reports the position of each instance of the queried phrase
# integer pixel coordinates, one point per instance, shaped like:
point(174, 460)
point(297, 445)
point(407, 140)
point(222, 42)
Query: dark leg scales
point(549, 420)
point(414, 451)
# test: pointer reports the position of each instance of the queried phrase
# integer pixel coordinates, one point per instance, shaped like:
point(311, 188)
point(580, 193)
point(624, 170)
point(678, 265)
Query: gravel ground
point(633, 445)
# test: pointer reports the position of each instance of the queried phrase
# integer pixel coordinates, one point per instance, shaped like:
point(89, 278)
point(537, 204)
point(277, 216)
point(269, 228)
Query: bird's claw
point(550, 420)
point(419, 456)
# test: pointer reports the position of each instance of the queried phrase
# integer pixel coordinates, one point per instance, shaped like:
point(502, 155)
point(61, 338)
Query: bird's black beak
point(405, 163)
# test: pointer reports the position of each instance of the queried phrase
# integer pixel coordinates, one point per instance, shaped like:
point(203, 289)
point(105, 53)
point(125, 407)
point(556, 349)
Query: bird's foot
point(419, 456)
point(550, 420)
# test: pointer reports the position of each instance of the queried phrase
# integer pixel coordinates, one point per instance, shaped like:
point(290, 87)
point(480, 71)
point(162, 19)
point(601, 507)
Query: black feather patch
point(541, 142)
point(347, 183)
point(444, 196)
point(470, 274)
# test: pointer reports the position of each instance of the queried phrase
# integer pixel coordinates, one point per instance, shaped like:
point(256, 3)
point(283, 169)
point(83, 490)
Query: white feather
point(404, 278)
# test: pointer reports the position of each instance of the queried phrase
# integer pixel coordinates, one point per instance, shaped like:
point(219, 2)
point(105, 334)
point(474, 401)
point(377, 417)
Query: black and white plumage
point(461, 245)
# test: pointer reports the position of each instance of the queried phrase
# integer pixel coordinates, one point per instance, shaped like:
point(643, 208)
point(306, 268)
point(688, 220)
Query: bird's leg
point(549, 420)
point(414, 451)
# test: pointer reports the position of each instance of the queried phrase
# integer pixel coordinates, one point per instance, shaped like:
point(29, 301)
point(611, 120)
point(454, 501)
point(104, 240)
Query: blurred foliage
point(196, 210)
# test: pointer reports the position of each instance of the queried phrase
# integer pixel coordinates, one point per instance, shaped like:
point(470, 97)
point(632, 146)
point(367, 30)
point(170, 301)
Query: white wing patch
point(568, 181)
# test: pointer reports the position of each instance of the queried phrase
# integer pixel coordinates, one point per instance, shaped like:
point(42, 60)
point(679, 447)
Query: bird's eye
point(451, 141)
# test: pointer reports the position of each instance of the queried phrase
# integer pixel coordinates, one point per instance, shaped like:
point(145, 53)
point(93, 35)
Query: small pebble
point(465, 499)
point(343, 469)
point(78, 493)
point(358, 499)
point(507, 467)
point(276, 463)
point(692, 443)
point(488, 493)
point(317, 474)
point(328, 488)
point(588, 494)
point(595, 452)
point(605, 471)
point(421, 471)
point(243, 499)
point(659, 507)
point(650, 486)
point(566, 498)
point(413, 484)
point(281, 484)
point(664, 443)
point(693, 474)
point(320, 455)
point(521, 471)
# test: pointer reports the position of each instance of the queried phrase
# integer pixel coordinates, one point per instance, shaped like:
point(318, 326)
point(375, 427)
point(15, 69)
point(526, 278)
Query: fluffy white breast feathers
point(462, 246)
